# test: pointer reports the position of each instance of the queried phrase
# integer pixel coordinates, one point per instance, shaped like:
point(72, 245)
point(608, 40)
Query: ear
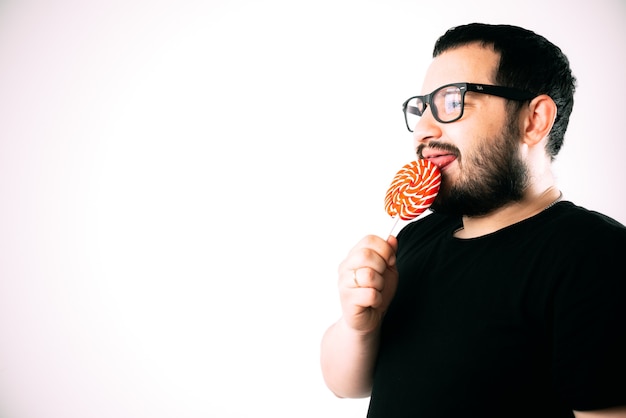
point(540, 118)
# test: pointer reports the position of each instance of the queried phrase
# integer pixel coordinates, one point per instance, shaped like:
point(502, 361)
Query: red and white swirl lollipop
point(413, 190)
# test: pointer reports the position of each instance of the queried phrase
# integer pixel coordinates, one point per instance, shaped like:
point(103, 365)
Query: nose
point(426, 129)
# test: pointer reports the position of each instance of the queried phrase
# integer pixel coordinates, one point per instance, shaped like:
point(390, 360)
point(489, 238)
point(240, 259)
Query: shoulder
point(569, 211)
point(580, 223)
point(581, 251)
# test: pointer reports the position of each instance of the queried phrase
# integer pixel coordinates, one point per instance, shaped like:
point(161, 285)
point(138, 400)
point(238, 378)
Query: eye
point(452, 102)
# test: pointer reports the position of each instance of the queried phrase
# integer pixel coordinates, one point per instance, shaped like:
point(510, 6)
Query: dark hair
point(527, 61)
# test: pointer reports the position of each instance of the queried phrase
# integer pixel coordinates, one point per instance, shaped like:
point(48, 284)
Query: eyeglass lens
point(446, 105)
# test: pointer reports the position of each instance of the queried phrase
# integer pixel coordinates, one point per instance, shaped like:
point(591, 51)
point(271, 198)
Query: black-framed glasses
point(447, 102)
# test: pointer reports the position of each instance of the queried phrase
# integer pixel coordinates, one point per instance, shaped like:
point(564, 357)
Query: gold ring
point(356, 282)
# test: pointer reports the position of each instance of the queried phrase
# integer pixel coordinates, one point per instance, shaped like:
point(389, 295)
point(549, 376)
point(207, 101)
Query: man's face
point(479, 155)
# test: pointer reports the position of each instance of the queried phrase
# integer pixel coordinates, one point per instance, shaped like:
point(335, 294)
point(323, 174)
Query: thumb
point(393, 243)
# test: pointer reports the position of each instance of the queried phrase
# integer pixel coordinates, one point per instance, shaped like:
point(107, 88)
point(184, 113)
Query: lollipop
point(413, 190)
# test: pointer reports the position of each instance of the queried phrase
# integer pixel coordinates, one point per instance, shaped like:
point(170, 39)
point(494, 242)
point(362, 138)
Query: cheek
point(465, 138)
point(474, 136)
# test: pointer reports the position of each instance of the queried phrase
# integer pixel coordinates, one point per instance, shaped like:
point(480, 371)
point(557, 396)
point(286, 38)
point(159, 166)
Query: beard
point(491, 176)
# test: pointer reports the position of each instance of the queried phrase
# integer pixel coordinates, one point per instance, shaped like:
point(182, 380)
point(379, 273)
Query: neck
point(512, 213)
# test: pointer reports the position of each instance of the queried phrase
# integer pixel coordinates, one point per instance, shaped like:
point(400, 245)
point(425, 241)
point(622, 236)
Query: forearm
point(347, 360)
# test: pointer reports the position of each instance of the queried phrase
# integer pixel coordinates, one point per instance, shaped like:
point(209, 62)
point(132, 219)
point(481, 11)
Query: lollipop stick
point(395, 220)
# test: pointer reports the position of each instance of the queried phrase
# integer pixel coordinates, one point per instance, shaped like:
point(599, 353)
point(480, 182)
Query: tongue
point(442, 160)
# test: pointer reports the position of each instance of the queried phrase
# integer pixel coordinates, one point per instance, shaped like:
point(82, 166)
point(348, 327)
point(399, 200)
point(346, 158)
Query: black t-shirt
point(527, 321)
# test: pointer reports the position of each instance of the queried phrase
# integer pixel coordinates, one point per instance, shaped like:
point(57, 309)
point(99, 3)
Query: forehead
point(469, 63)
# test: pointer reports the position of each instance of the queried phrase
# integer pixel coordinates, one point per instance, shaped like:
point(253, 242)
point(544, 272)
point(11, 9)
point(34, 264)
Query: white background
point(179, 180)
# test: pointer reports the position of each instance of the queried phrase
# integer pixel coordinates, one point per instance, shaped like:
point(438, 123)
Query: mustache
point(440, 146)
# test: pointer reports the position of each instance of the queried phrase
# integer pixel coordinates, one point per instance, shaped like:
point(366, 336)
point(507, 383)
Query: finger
point(368, 258)
point(385, 248)
point(356, 300)
point(375, 245)
point(366, 277)
point(362, 318)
